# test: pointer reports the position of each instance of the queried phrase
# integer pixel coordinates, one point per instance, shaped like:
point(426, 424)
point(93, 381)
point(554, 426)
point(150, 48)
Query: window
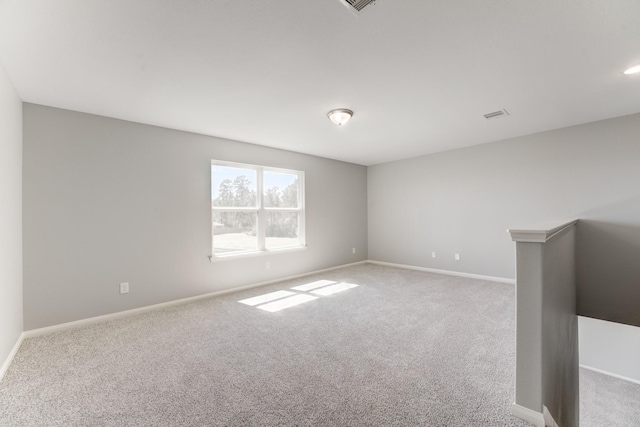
point(255, 208)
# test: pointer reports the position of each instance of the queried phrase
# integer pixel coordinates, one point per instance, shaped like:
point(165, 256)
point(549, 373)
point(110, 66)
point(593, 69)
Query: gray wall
point(529, 326)
point(547, 327)
point(464, 200)
point(10, 216)
point(108, 201)
point(560, 382)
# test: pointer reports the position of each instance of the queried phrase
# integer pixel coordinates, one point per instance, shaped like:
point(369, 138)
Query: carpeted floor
point(608, 401)
point(402, 348)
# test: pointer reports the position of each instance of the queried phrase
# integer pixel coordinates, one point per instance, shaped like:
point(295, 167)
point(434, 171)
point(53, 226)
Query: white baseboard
point(447, 272)
point(548, 418)
point(611, 374)
point(528, 415)
point(112, 316)
point(12, 354)
point(610, 348)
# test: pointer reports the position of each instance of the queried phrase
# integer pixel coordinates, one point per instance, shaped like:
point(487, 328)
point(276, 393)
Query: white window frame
point(262, 211)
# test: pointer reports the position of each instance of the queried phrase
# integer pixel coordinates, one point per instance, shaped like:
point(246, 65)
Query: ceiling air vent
point(359, 5)
point(496, 114)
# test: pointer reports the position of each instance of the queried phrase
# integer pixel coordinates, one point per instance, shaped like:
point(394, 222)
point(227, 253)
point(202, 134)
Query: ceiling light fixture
point(340, 116)
point(633, 70)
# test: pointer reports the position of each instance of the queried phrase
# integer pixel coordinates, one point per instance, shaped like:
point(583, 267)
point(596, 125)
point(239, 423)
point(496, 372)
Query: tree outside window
point(255, 208)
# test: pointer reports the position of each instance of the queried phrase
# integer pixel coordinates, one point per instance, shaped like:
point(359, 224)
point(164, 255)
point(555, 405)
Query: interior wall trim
point(447, 272)
point(528, 415)
point(611, 374)
point(548, 418)
point(120, 314)
point(12, 354)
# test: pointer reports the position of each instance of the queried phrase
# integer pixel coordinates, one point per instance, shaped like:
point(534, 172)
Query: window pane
point(280, 190)
point(234, 232)
point(233, 187)
point(282, 230)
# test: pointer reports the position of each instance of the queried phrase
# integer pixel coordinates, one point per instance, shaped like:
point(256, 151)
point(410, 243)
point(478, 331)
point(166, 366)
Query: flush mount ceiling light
point(633, 70)
point(340, 116)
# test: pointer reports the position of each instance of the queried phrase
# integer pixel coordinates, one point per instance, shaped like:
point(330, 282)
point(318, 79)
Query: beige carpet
point(400, 348)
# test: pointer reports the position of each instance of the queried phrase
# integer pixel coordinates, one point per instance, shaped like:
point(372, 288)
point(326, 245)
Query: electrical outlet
point(433, 254)
point(456, 257)
point(124, 288)
point(268, 265)
point(353, 250)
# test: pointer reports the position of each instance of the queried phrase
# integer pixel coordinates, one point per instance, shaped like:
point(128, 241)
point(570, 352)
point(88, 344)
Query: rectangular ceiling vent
point(496, 114)
point(359, 5)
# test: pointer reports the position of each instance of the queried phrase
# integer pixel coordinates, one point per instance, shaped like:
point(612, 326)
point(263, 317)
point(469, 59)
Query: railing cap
point(541, 232)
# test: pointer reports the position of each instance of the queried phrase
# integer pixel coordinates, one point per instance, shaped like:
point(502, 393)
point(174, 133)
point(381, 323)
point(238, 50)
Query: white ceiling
point(418, 74)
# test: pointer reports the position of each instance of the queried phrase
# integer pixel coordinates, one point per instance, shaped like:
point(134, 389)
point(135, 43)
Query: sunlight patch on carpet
point(279, 300)
point(260, 299)
point(286, 303)
point(333, 289)
point(314, 285)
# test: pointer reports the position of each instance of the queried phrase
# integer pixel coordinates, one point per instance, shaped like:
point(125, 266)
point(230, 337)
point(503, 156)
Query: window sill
point(218, 258)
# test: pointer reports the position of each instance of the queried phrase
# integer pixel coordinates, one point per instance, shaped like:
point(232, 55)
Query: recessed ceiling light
point(340, 116)
point(633, 70)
